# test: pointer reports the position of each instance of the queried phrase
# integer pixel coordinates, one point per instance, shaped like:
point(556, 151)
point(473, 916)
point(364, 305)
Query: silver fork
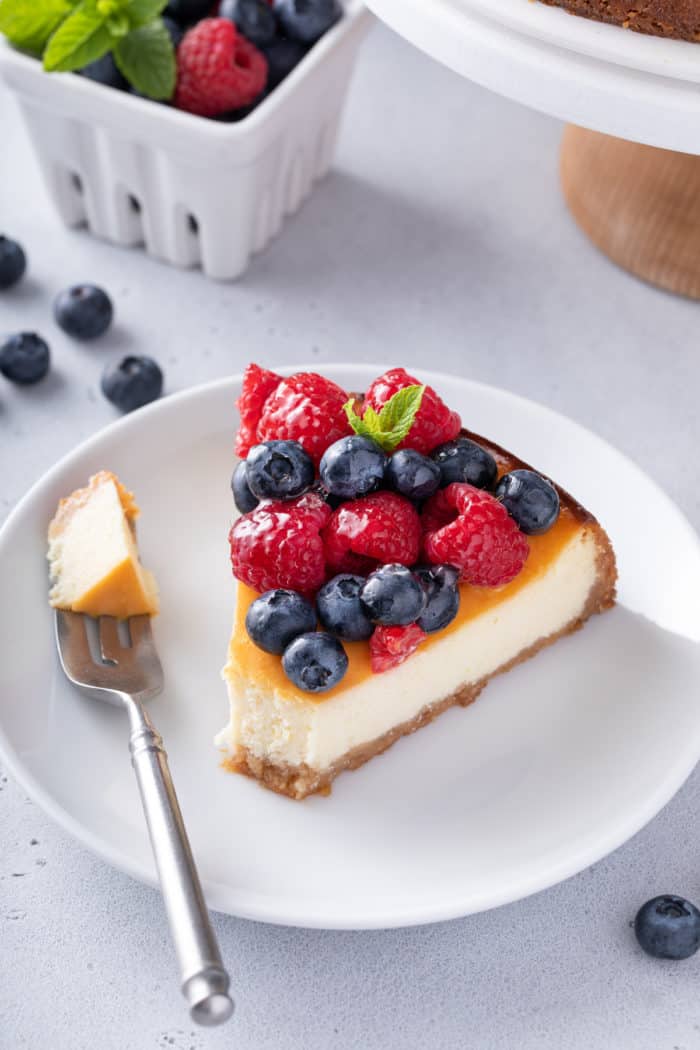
point(128, 676)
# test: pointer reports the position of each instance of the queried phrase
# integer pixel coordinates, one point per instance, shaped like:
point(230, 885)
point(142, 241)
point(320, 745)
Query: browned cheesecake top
point(669, 18)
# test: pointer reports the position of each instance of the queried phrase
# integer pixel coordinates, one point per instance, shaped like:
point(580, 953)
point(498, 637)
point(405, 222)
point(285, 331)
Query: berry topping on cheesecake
point(376, 538)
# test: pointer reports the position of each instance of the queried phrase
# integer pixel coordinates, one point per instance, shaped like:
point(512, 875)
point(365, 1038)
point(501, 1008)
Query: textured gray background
point(441, 238)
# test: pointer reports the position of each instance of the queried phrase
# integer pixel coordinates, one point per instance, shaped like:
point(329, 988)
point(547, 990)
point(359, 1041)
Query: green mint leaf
point(397, 415)
point(393, 422)
point(29, 24)
point(118, 25)
point(146, 57)
point(141, 12)
point(82, 38)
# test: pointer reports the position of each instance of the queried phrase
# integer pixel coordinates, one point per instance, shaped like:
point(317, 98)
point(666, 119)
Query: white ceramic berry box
point(194, 192)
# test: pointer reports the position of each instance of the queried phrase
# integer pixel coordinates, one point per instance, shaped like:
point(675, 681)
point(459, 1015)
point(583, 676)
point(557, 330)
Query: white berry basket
point(192, 191)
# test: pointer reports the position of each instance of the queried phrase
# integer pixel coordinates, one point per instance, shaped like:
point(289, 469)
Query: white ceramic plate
point(558, 763)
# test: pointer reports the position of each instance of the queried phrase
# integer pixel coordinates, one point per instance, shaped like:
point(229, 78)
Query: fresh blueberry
point(175, 31)
point(315, 662)
point(254, 18)
point(530, 499)
point(24, 358)
point(279, 470)
point(464, 461)
point(442, 596)
point(242, 496)
point(352, 467)
point(413, 475)
point(105, 71)
point(133, 382)
point(13, 262)
point(307, 20)
point(340, 610)
point(393, 595)
point(83, 311)
point(282, 55)
point(277, 617)
point(185, 12)
point(668, 927)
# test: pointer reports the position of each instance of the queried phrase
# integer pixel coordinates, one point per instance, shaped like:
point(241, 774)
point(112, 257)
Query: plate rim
point(262, 908)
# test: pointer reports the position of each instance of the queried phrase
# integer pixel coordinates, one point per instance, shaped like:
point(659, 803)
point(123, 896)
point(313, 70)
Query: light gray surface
point(442, 239)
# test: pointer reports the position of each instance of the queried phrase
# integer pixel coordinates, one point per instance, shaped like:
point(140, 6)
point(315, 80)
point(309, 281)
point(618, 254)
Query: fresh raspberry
point(217, 69)
point(382, 527)
point(306, 408)
point(468, 528)
point(390, 646)
point(279, 545)
point(258, 384)
point(434, 422)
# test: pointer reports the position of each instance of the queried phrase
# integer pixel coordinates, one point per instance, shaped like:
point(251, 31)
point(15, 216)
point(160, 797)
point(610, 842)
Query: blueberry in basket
point(307, 20)
point(254, 18)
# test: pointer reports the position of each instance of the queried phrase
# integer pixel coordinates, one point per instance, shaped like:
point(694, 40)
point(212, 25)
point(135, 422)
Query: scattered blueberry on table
point(13, 262)
point(24, 358)
point(668, 927)
point(132, 382)
point(83, 311)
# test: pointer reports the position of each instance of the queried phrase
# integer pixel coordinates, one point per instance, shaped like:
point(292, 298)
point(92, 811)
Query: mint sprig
point(392, 424)
point(28, 24)
point(147, 60)
point(73, 33)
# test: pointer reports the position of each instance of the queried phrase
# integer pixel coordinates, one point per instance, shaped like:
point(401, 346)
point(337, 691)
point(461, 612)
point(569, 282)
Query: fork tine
point(140, 631)
point(110, 646)
point(72, 639)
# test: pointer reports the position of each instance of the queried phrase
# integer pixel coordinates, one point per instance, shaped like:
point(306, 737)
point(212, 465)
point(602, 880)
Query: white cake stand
point(637, 201)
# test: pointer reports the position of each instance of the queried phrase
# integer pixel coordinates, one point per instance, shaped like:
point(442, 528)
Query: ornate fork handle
point(205, 982)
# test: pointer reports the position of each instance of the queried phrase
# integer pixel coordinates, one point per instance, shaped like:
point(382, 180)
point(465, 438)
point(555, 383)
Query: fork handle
point(205, 982)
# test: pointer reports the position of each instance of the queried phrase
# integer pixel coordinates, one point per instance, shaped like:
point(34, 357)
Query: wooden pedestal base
point(639, 205)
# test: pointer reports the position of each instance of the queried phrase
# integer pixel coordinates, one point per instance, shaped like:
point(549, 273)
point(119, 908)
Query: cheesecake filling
point(291, 730)
point(93, 557)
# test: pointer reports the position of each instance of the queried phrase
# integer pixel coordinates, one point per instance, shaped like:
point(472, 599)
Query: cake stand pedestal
point(638, 204)
point(633, 183)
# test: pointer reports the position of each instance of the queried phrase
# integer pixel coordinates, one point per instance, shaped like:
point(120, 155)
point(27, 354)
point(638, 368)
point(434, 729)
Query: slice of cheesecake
point(93, 558)
point(296, 743)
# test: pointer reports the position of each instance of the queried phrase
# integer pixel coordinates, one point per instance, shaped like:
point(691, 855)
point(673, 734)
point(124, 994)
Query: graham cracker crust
point(297, 782)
